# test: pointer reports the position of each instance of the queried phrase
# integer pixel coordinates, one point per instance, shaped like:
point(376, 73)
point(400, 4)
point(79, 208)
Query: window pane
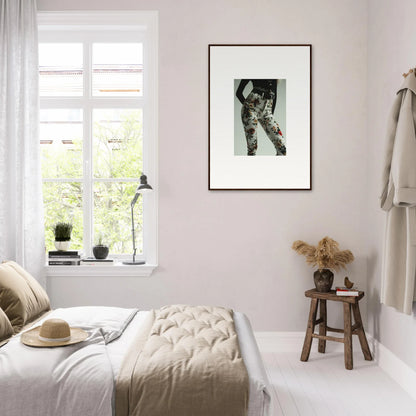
point(112, 216)
point(61, 143)
point(117, 69)
point(117, 143)
point(63, 203)
point(60, 69)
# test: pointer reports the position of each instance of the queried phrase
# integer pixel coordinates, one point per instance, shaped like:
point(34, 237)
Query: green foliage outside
point(117, 153)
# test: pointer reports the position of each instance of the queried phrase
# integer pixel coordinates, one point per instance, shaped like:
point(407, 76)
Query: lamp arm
point(132, 232)
point(142, 188)
point(134, 200)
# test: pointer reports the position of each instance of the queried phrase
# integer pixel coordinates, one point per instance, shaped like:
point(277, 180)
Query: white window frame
point(114, 26)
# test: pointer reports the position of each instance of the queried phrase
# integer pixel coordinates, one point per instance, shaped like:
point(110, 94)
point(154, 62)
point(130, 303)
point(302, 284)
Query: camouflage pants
point(257, 109)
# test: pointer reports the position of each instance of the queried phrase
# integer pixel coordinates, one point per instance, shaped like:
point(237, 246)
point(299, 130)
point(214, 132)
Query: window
point(98, 127)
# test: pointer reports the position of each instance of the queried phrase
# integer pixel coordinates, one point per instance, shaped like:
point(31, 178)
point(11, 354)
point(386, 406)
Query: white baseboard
point(280, 341)
point(398, 370)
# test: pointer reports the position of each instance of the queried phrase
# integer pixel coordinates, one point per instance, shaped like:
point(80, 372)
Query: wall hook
point(409, 72)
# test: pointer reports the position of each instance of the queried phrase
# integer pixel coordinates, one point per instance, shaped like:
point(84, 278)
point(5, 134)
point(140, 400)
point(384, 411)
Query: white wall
point(391, 51)
point(233, 248)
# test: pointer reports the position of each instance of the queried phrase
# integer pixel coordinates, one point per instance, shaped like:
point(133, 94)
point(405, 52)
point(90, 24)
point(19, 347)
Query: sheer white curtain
point(21, 210)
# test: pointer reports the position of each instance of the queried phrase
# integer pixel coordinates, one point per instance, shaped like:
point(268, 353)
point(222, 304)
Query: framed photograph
point(260, 117)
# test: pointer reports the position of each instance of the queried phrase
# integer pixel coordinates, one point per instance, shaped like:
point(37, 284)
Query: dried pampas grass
point(326, 255)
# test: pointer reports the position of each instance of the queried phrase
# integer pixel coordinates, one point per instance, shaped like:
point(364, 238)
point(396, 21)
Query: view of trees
point(117, 152)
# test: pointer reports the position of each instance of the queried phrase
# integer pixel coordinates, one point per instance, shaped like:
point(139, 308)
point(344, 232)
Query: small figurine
point(347, 283)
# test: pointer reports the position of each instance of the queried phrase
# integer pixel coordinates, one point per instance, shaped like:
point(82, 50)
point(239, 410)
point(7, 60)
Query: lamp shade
point(144, 186)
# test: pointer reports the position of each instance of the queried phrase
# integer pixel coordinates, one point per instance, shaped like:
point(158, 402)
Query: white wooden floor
point(323, 387)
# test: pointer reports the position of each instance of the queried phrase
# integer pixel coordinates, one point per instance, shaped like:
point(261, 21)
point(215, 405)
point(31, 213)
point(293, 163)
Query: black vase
point(100, 252)
point(323, 280)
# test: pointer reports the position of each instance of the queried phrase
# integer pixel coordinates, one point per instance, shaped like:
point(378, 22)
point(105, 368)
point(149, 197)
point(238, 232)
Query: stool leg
point(309, 330)
point(360, 332)
point(347, 336)
point(322, 325)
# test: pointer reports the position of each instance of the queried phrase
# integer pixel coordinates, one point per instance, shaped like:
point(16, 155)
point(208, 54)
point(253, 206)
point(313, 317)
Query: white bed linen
point(80, 379)
point(259, 397)
point(64, 381)
point(260, 402)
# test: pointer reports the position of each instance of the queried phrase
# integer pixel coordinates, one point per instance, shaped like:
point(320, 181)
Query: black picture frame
point(224, 65)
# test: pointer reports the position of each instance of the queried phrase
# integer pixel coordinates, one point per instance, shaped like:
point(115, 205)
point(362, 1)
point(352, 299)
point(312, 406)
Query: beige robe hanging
point(399, 200)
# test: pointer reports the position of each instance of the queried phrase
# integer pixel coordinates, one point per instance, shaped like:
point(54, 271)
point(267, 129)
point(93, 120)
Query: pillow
point(6, 329)
point(21, 297)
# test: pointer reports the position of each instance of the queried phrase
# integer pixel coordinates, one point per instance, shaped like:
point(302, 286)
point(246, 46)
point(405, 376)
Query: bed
point(82, 379)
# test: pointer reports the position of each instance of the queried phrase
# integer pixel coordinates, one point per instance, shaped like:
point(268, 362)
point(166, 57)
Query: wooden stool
point(349, 329)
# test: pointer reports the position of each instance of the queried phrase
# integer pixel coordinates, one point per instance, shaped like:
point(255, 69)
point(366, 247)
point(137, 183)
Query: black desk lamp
point(141, 189)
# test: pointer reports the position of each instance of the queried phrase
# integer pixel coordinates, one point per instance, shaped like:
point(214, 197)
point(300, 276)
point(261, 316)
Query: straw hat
point(53, 333)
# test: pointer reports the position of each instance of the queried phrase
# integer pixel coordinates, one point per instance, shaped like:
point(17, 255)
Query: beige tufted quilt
point(185, 362)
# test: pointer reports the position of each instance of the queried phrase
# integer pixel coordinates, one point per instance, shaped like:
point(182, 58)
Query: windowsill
point(116, 270)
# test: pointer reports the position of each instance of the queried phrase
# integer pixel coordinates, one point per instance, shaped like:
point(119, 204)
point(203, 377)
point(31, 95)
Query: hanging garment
point(399, 200)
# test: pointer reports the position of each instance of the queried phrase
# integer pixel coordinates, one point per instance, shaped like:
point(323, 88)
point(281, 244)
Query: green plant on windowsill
point(100, 250)
point(62, 231)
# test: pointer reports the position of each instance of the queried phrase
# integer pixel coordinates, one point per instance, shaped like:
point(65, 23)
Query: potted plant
point(62, 231)
point(100, 250)
point(326, 255)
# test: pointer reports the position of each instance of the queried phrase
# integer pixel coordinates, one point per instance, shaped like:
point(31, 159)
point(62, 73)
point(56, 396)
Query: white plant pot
point(62, 245)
